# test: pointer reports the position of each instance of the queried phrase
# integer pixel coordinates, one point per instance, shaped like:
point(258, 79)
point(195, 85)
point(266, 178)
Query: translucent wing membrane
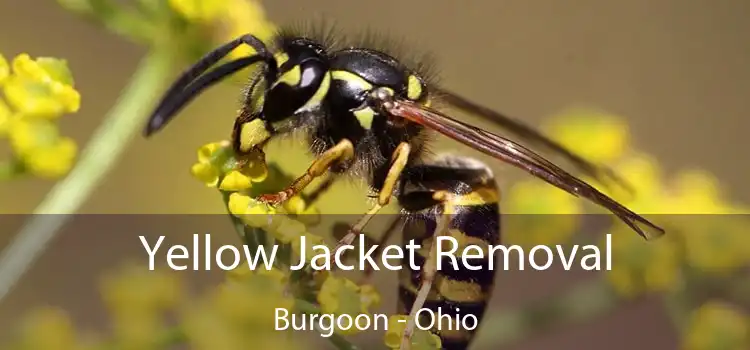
point(519, 156)
point(527, 133)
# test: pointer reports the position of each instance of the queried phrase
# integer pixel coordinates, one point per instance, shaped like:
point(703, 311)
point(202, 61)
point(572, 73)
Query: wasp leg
point(429, 268)
point(342, 151)
point(314, 195)
point(398, 163)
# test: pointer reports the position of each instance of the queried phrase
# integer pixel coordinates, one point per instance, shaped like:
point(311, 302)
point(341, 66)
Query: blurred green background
point(675, 70)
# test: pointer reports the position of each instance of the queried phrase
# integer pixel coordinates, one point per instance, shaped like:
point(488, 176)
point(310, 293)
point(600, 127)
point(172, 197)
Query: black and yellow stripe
point(476, 221)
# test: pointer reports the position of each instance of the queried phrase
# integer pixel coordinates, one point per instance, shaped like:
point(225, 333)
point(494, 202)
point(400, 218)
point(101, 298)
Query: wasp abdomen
point(462, 285)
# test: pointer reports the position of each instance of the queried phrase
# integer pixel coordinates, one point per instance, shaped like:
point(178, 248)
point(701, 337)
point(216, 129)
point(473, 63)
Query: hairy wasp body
point(367, 114)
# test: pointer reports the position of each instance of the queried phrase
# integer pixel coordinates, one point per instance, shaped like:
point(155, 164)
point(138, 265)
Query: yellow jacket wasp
point(367, 114)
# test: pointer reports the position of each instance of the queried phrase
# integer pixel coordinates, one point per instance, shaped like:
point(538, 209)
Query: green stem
point(97, 159)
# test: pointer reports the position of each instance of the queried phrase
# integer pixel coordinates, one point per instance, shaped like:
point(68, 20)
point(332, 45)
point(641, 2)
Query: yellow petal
point(289, 230)
point(40, 99)
point(239, 203)
point(49, 328)
point(597, 136)
point(54, 161)
point(295, 205)
point(206, 152)
point(717, 324)
point(206, 173)
point(235, 181)
point(5, 117)
point(202, 11)
point(4, 69)
point(43, 69)
point(26, 135)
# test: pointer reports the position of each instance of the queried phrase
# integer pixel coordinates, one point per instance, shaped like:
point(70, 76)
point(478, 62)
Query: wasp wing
point(519, 156)
point(529, 134)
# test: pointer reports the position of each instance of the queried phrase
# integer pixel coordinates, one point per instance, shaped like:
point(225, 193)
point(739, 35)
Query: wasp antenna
point(191, 83)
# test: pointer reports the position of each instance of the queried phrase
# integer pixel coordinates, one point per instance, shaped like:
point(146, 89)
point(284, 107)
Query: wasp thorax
point(302, 82)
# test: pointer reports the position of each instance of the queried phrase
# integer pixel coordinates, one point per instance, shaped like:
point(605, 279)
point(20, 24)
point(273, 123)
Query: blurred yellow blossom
point(205, 173)
point(49, 328)
point(235, 181)
point(639, 266)
point(341, 296)
point(420, 339)
point(37, 91)
point(580, 129)
point(42, 149)
point(215, 161)
point(716, 244)
point(311, 240)
point(540, 214)
point(696, 192)
point(242, 17)
point(231, 18)
point(134, 287)
point(199, 10)
point(41, 88)
point(4, 69)
point(241, 312)
point(717, 325)
point(289, 230)
point(6, 116)
point(53, 161)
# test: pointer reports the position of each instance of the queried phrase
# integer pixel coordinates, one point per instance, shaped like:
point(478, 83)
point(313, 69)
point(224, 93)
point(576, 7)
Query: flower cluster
point(239, 181)
point(718, 325)
point(37, 92)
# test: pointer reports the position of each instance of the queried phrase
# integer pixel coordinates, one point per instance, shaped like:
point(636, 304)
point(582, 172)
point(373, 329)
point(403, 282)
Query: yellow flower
point(206, 173)
point(716, 325)
point(696, 192)
point(235, 181)
point(420, 339)
point(6, 117)
point(369, 297)
point(239, 203)
point(250, 211)
point(294, 205)
point(240, 313)
point(242, 17)
point(716, 244)
point(597, 136)
point(642, 172)
point(341, 296)
point(642, 267)
point(540, 214)
point(41, 148)
point(41, 88)
point(215, 161)
point(252, 303)
point(277, 277)
point(207, 152)
point(4, 69)
point(133, 288)
point(53, 161)
point(48, 328)
point(289, 230)
point(199, 10)
point(310, 241)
